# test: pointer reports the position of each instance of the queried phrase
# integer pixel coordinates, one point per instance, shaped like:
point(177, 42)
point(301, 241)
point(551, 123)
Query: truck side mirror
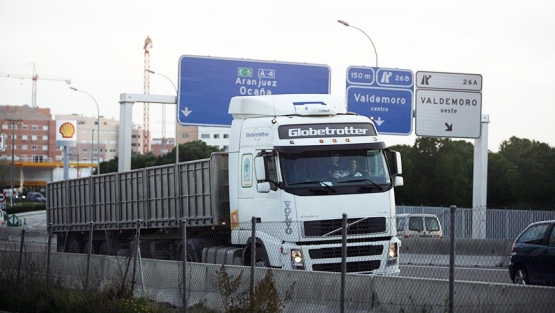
point(259, 169)
point(396, 164)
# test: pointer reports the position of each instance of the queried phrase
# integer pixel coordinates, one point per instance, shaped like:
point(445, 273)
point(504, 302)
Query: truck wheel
point(191, 255)
point(74, 247)
point(261, 257)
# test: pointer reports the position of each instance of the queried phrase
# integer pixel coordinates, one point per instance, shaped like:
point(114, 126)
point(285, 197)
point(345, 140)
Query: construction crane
point(146, 113)
point(35, 77)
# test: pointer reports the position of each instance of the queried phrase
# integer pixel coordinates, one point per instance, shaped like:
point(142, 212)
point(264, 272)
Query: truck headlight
point(297, 260)
point(392, 253)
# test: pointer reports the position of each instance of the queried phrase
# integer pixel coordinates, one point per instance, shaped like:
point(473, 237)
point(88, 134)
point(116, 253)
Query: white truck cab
point(300, 162)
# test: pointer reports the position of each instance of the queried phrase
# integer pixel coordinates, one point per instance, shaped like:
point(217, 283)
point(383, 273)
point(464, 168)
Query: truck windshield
point(331, 170)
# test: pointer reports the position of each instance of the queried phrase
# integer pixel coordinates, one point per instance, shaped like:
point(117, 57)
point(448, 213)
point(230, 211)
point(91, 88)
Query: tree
point(189, 151)
point(436, 171)
point(193, 150)
point(530, 178)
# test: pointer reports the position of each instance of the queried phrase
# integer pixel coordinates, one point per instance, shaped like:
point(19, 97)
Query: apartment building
point(37, 160)
point(30, 140)
point(213, 136)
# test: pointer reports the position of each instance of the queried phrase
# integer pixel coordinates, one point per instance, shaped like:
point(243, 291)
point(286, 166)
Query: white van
point(418, 225)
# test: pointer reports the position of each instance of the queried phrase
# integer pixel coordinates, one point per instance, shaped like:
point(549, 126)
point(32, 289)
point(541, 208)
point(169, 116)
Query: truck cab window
point(272, 171)
point(348, 171)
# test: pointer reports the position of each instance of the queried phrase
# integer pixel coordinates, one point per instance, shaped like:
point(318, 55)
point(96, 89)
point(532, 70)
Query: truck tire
point(191, 255)
point(261, 257)
point(74, 247)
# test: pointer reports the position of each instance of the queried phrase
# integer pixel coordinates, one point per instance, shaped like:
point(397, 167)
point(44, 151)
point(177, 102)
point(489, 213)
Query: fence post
point(253, 255)
point(184, 264)
point(343, 260)
point(89, 254)
point(49, 231)
point(136, 252)
point(452, 259)
point(20, 256)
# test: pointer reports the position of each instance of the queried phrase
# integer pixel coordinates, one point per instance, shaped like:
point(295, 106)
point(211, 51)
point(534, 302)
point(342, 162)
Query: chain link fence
point(170, 266)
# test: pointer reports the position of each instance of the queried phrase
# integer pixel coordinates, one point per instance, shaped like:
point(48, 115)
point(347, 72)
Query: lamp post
point(76, 155)
point(97, 130)
point(92, 151)
point(176, 123)
point(348, 25)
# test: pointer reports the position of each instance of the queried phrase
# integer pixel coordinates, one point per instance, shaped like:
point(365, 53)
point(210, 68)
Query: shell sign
point(66, 133)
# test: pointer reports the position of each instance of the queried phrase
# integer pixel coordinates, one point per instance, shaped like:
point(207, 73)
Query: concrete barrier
point(313, 291)
point(8, 232)
point(468, 252)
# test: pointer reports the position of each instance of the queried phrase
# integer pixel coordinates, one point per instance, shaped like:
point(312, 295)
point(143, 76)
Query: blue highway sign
point(385, 94)
point(207, 84)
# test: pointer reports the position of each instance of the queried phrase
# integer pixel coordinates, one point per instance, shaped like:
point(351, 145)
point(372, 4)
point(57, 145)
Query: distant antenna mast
point(146, 113)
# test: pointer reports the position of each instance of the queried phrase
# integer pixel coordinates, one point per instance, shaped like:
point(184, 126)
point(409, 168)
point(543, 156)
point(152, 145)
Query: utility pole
point(13, 121)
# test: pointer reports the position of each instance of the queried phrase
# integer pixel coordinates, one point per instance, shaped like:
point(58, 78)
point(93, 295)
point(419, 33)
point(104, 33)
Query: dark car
point(35, 197)
point(532, 259)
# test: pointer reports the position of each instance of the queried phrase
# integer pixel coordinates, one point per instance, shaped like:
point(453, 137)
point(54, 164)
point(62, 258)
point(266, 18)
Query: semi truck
point(298, 166)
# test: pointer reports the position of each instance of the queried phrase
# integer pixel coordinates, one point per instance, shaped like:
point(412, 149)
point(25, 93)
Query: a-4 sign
point(206, 85)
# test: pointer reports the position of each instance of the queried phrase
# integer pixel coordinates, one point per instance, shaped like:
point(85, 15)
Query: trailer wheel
point(74, 247)
point(86, 250)
point(261, 257)
point(104, 249)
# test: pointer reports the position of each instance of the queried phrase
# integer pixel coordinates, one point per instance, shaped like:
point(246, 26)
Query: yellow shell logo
point(67, 130)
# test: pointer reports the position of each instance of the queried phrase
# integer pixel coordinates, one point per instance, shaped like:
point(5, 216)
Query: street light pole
point(97, 130)
point(92, 151)
point(347, 24)
point(176, 123)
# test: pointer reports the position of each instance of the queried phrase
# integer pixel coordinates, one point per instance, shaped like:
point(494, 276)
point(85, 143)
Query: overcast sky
point(98, 45)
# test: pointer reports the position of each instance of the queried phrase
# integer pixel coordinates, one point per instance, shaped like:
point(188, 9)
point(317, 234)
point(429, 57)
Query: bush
point(23, 206)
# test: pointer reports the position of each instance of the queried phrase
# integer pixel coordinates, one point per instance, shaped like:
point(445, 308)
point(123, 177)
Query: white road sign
point(2, 198)
point(450, 81)
point(445, 113)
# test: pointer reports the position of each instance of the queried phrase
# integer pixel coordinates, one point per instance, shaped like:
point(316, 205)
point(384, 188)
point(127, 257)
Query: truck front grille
point(358, 226)
point(363, 266)
point(329, 253)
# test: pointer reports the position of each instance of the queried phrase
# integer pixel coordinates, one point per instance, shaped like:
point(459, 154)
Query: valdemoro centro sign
point(66, 133)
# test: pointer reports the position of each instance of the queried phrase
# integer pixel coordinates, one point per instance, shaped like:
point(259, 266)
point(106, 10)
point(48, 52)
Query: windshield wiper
point(306, 182)
point(321, 183)
point(366, 180)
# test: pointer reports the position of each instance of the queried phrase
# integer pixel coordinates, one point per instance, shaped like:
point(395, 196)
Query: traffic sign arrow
point(186, 112)
point(449, 127)
point(379, 121)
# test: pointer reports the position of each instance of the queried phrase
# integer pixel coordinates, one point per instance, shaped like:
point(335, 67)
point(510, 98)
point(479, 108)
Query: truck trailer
point(296, 165)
